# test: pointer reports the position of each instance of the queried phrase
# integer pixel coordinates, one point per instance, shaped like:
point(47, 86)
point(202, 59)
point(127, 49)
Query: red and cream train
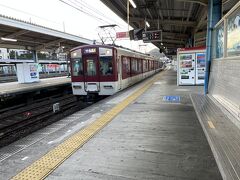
point(105, 70)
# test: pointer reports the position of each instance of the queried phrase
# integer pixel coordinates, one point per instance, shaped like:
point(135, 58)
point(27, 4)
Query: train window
point(152, 65)
point(125, 67)
point(77, 67)
point(134, 66)
point(145, 66)
point(128, 70)
point(139, 66)
point(91, 67)
point(106, 65)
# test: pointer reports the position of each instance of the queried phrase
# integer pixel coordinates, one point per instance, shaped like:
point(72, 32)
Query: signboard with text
point(122, 35)
point(152, 36)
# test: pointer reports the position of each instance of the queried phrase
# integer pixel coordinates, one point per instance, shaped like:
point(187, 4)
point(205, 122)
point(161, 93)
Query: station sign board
point(122, 35)
point(136, 34)
point(152, 36)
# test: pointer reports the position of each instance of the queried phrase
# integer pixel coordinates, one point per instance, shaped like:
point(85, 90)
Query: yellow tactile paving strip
point(41, 168)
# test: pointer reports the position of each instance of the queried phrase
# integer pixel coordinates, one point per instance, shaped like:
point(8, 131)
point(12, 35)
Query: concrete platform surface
point(155, 137)
point(15, 87)
point(150, 139)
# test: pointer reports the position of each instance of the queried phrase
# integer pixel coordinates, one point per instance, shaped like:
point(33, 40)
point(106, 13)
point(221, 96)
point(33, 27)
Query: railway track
point(23, 119)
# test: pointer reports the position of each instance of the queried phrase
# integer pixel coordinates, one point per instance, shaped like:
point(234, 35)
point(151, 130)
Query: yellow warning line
point(210, 123)
point(41, 168)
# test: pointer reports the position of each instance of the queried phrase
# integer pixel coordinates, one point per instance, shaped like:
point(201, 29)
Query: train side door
point(91, 73)
point(119, 69)
point(187, 69)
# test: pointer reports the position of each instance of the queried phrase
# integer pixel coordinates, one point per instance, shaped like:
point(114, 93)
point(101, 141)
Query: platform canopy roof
point(180, 20)
point(35, 37)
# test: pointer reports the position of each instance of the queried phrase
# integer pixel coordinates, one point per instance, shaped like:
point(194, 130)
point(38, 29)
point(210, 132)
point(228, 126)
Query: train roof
point(117, 47)
point(113, 46)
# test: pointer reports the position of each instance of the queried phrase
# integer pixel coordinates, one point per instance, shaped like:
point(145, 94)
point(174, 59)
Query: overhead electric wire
point(96, 11)
point(87, 13)
point(90, 11)
point(88, 7)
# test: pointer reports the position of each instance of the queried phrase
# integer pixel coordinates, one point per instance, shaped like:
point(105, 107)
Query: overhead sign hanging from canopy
point(152, 36)
point(122, 35)
point(140, 34)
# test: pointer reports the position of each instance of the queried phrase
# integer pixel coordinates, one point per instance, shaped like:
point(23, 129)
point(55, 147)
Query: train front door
point(91, 73)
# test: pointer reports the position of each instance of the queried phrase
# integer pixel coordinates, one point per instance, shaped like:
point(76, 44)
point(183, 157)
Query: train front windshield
point(92, 62)
point(106, 65)
point(85, 63)
point(77, 63)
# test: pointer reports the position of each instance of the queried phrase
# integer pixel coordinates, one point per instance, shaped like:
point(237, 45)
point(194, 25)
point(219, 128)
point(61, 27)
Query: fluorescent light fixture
point(8, 39)
point(161, 43)
point(148, 25)
point(133, 3)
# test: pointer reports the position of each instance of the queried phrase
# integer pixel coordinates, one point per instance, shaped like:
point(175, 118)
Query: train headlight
point(108, 87)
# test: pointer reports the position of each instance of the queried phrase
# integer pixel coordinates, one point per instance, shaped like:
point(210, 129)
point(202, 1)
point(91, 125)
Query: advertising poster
point(201, 60)
point(33, 71)
point(186, 61)
point(233, 35)
point(220, 41)
point(201, 66)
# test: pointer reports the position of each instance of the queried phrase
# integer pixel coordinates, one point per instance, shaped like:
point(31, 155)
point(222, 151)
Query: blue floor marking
point(171, 98)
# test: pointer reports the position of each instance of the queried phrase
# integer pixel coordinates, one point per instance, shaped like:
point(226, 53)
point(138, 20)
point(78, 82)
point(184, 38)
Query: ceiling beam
point(149, 13)
point(175, 35)
point(201, 20)
point(51, 43)
point(201, 39)
point(12, 46)
point(201, 34)
point(159, 10)
point(14, 35)
point(173, 41)
point(172, 46)
point(188, 15)
point(202, 2)
point(166, 22)
point(117, 8)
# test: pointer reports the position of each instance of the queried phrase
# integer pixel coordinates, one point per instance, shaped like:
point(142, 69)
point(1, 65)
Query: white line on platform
point(50, 142)
point(26, 157)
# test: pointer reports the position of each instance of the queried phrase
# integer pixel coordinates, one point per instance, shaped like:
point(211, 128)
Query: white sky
point(54, 13)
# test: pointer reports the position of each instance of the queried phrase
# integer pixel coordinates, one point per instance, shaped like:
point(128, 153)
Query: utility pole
point(128, 14)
